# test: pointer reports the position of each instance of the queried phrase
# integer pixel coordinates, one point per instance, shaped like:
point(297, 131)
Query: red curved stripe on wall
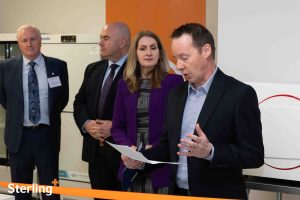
point(274, 96)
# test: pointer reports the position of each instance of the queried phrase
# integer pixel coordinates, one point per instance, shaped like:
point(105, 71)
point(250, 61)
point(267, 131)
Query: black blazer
point(12, 99)
point(230, 118)
point(86, 107)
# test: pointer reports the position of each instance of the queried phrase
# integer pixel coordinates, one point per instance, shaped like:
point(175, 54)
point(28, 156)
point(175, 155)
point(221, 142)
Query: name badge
point(54, 82)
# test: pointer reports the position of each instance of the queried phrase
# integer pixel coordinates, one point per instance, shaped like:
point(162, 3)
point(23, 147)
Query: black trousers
point(103, 171)
point(181, 191)
point(35, 151)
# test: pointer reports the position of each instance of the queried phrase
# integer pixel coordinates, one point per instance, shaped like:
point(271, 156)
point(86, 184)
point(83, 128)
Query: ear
point(122, 43)
point(206, 50)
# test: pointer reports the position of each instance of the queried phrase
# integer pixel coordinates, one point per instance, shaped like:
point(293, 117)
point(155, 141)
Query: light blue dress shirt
point(193, 106)
point(120, 63)
point(40, 69)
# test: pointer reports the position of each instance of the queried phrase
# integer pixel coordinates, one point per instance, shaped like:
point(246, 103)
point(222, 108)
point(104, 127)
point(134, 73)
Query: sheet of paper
point(127, 151)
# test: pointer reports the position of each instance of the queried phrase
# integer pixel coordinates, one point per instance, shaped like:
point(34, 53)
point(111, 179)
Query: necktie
point(33, 95)
point(105, 89)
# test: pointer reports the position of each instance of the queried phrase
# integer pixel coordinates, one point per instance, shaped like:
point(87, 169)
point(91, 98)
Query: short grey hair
point(25, 26)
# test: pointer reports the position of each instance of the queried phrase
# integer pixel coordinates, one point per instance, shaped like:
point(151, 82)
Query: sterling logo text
point(35, 188)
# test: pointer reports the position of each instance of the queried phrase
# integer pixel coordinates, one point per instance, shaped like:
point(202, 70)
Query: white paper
point(54, 82)
point(127, 151)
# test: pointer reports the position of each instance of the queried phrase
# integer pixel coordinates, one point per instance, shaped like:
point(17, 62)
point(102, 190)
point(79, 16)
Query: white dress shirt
point(40, 69)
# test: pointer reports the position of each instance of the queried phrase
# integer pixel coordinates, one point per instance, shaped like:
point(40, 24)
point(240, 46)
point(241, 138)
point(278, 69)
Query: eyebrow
point(153, 44)
point(180, 55)
point(104, 36)
point(30, 38)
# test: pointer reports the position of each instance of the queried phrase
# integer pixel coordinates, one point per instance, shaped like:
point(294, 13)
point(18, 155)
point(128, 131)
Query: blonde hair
point(132, 71)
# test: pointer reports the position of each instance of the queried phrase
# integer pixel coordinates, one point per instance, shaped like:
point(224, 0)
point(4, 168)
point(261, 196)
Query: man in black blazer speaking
point(212, 128)
point(94, 103)
point(33, 90)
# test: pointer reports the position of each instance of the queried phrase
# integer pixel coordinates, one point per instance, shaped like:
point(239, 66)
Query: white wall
point(212, 19)
point(259, 40)
point(55, 16)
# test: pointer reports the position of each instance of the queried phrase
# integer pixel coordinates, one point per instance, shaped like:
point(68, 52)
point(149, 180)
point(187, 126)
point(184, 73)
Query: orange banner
point(102, 193)
point(159, 16)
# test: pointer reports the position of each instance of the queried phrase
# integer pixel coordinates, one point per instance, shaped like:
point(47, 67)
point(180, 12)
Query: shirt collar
point(205, 86)
point(119, 62)
point(39, 60)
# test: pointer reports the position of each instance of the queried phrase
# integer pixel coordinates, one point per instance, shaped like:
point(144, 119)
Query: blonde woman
point(140, 105)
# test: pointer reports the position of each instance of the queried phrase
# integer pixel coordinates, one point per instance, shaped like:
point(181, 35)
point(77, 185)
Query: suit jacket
point(125, 120)
point(86, 107)
point(12, 99)
point(230, 118)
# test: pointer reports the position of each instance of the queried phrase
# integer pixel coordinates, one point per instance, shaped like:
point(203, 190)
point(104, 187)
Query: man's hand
point(197, 146)
point(105, 126)
point(93, 128)
point(130, 163)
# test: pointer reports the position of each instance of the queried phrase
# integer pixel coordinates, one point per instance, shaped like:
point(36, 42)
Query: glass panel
point(2, 51)
point(14, 50)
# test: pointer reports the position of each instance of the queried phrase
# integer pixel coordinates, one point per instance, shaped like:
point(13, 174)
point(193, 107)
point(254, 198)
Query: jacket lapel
point(99, 81)
point(213, 97)
point(114, 85)
point(112, 91)
point(180, 105)
point(49, 71)
point(19, 79)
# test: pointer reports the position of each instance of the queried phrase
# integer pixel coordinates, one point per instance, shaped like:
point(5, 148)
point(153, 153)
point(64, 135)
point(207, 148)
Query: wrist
point(211, 153)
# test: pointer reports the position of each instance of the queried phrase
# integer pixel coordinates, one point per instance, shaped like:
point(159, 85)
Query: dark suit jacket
point(86, 107)
point(11, 98)
point(230, 118)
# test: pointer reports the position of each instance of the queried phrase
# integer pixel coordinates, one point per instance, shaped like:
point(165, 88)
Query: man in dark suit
point(94, 103)
point(212, 128)
point(33, 90)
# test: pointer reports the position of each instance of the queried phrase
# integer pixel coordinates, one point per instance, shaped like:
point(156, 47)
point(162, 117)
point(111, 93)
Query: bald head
point(122, 30)
point(114, 41)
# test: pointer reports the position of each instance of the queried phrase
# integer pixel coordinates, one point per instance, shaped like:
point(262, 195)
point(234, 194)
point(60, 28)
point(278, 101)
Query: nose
point(148, 51)
point(179, 65)
point(101, 41)
point(29, 43)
